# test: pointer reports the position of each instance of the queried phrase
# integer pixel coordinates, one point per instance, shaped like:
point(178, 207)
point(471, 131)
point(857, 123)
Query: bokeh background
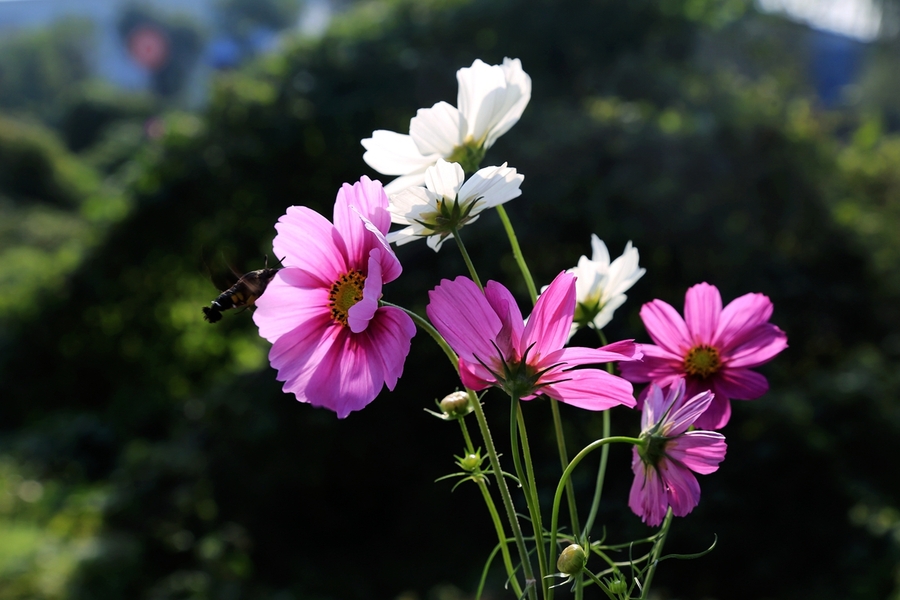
point(146, 151)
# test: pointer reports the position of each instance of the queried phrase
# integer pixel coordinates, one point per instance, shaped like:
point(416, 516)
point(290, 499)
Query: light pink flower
point(662, 464)
point(332, 344)
point(497, 348)
point(713, 348)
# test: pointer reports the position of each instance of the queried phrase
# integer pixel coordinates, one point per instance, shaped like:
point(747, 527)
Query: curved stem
point(517, 253)
point(557, 498)
point(466, 258)
point(505, 496)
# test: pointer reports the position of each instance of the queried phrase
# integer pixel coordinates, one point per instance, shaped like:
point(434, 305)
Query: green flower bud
point(470, 462)
point(571, 560)
point(617, 586)
point(456, 405)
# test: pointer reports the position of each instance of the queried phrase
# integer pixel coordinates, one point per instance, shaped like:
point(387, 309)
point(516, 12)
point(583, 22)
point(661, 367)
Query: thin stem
point(505, 496)
point(517, 253)
point(495, 517)
point(531, 495)
point(604, 456)
point(423, 323)
point(564, 460)
point(601, 476)
point(557, 498)
point(466, 258)
point(654, 554)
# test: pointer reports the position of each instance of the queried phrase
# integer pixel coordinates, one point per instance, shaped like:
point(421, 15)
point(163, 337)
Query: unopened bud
point(456, 405)
point(571, 560)
point(617, 586)
point(470, 462)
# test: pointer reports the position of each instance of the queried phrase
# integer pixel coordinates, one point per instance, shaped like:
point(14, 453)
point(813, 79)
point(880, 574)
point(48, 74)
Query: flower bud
point(571, 560)
point(470, 462)
point(456, 405)
point(617, 586)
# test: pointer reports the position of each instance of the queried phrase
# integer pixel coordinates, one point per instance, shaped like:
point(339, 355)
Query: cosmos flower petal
point(717, 414)
point(364, 198)
point(438, 130)
point(739, 316)
point(655, 363)
point(758, 346)
point(284, 306)
point(391, 331)
point(296, 354)
point(394, 153)
point(666, 327)
point(475, 376)
point(682, 489)
point(492, 98)
point(491, 187)
point(348, 377)
point(550, 321)
point(388, 263)
point(407, 205)
point(359, 315)
point(626, 350)
point(444, 179)
point(462, 315)
point(686, 409)
point(740, 384)
point(647, 497)
point(699, 451)
point(405, 181)
point(591, 389)
point(702, 307)
point(505, 306)
point(308, 240)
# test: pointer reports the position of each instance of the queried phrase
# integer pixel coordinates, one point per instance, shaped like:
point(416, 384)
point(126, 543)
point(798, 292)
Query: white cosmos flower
point(600, 286)
point(446, 203)
point(491, 99)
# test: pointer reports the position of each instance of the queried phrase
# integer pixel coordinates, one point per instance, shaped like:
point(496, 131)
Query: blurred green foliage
point(148, 454)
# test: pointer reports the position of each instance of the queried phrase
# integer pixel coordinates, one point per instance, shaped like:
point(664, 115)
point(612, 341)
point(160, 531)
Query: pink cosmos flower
point(713, 348)
point(332, 344)
point(662, 464)
point(496, 347)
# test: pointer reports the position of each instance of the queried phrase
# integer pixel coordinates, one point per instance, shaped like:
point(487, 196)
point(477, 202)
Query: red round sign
point(148, 46)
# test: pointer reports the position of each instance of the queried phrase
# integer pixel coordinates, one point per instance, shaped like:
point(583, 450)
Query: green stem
point(466, 258)
point(654, 554)
point(601, 476)
point(564, 460)
point(531, 495)
point(517, 253)
point(423, 324)
point(557, 498)
point(505, 496)
point(604, 456)
point(495, 517)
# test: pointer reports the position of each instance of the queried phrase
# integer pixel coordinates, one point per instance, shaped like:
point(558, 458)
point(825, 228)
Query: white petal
point(492, 98)
point(436, 131)
point(600, 253)
point(401, 183)
point(443, 179)
point(491, 186)
point(407, 204)
point(393, 153)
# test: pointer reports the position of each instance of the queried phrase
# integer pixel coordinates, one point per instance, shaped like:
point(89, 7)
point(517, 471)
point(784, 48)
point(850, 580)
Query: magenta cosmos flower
point(332, 344)
point(668, 452)
point(497, 348)
point(713, 348)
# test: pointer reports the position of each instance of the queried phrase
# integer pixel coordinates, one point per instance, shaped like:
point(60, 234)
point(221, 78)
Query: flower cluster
point(337, 344)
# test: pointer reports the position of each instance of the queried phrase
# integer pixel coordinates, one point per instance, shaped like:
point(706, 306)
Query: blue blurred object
point(223, 53)
point(834, 64)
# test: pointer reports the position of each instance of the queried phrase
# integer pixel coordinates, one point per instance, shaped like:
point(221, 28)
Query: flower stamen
point(344, 293)
point(702, 361)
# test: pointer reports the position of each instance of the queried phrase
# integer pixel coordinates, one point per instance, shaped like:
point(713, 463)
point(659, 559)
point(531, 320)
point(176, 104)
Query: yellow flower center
point(345, 292)
point(702, 361)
